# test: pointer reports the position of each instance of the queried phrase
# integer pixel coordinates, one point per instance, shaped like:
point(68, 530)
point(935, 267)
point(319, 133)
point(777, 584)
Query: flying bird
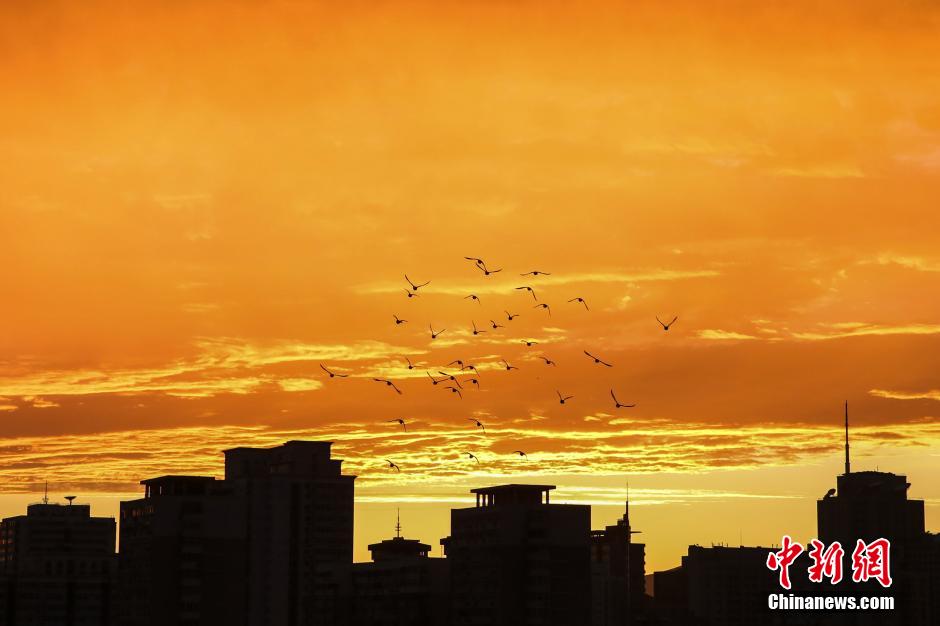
point(521, 453)
point(597, 360)
point(530, 290)
point(434, 334)
point(434, 380)
point(388, 383)
point(495, 325)
point(410, 294)
point(617, 402)
point(470, 366)
point(399, 421)
point(333, 374)
point(393, 466)
point(475, 330)
point(548, 361)
point(469, 455)
point(456, 362)
point(455, 390)
point(450, 377)
point(415, 287)
point(536, 273)
point(487, 271)
point(529, 343)
point(398, 320)
point(478, 423)
point(666, 326)
point(508, 366)
point(473, 296)
point(476, 382)
point(581, 300)
point(562, 399)
point(511, 316)
point(410, 364)
point(544, 306)
point(476, 261)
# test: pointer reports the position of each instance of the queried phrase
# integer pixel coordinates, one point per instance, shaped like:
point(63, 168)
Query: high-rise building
point(618, 574)
point(56, 567)
point(182, 554)
point(515, 558)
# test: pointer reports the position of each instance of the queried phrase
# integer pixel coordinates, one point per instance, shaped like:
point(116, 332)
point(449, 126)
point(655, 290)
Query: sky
point(203, 202)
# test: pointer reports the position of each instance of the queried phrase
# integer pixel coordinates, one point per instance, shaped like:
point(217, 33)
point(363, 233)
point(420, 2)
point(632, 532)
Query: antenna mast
point(45, 495)
point(848, 468)
point(398, 522)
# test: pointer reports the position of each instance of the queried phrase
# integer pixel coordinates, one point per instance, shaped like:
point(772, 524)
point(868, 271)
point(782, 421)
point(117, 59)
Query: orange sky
point(201, 202)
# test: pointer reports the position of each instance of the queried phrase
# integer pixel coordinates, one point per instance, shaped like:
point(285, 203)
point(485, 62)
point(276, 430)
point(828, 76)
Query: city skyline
point(201, 227)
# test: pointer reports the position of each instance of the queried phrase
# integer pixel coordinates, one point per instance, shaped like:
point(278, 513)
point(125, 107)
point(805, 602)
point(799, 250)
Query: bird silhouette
point(530, 290)
point(472, 456)
point(581, 300)
point(415, 287)
point(410, 364)
point(511, 316)
point(399, 421)
point(393, 466)
point(487, 271)
point(548, 361)
point(536, 273)
point(450, 377)
point(410, 294)
point(544, 306)
point(388, 383)
point(398, 320)
point(434, 380)
point(435, 334)
point(476, 331)
point(476, 261)
point(456, 362)
point(478, 423)
point(666, 326)
point(597, 360)
point(521, 453)
point(470, 366)
point(562, 399)
point(455, 390)
point(617, 402)
point(495, 325)
point(529, 343)
point(474, 381)
point(474, 297)
point(332, 374)
point(508, 366)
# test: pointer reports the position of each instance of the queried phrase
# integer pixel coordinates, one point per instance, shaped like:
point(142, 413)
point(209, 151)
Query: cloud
point(855, 329)
point(919, 264)
point(834, 170)
point(723, 335)
point(933, 394)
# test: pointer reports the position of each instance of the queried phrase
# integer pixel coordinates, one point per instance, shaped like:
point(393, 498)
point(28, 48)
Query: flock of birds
point(456, 387)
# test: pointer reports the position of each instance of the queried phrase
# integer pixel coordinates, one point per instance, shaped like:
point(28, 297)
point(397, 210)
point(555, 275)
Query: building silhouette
point(515, 558)
point(56, 567)
point(618, 574)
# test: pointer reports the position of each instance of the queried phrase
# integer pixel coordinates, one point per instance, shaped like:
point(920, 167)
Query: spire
point(626, 508)
point(848, 469)
point(398, 523)
point(45, 495)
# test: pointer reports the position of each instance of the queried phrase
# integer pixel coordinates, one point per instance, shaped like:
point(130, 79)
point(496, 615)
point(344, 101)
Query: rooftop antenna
point(398, 523)
point(70, 498)
point(848, 468)
point(45, 495)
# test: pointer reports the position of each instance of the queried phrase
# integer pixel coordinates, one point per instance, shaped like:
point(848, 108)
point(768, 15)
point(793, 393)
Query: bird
point(472, 456)
point(548, 361)
point(400, 421)
point(536, 273)
point(434, 380)
point(473, 296)
point(478, 423)
point(470, 366)
point(617, 402)
point(450, 377)
point(521, 453)
point(529, 343)
point(508, 366)
point(393, 466)
point(544, 306)
point(666, 326)
point(562, 399)
point(455, 390)
point(487, 271)
point(333, 374)
point(530, 290)
point(511, 316)
point(597, 360)
point(434, 334)
point(476, 382)
point(388, 383)
point(581, 300)
point(415, 287)
point(398, 320)
point(456, 362)
point(410, 364)
point(476, 261)
point(410, 294)
point(495, 325)
point(475, 330)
